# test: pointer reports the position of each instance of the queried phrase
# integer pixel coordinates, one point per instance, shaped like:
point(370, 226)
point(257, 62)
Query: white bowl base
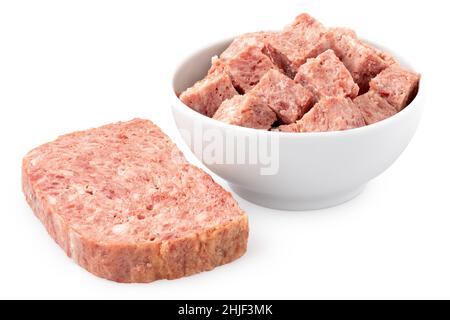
point(298, 203)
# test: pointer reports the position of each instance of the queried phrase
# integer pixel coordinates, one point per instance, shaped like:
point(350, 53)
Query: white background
point(71, 65)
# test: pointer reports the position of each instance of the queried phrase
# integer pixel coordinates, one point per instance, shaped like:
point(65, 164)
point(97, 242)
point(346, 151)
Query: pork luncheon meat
point(288, 99)
point(374, 108)
point(122, 201)
point(332, 114)
point(364, 62)
point(326, 76)
point(246, 111)
point(307, 65)
point(397, 85)
point(297, 42)
point(207, 95)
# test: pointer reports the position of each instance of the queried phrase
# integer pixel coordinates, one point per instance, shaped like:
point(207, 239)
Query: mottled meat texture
point(301, 40)
point(397, 85)
point(335, 34)
point(374, 108)
point(326, 76)
point(246, 111)
point(246, 65)
point(362, 60)
point(207, 95)
point(332, 114)
point(288, 99)
point(122, 201)
point(258, 39)
point(262, 40)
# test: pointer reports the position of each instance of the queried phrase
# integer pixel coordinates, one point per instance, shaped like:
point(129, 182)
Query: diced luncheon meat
point(263, 41)
point(302, 39)
point(207, 95)
point(374, 108)
point(246, 111)
point(258, 39)
point(326, 76)
point(245, 66)
point(122, 201)
point(335, 34)
point(279, 76)
point(363, 61)
point(397, 85)
point(288, 99)
point(332, 114)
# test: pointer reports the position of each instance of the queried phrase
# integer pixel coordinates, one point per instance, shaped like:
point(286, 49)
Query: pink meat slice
point(122, 201)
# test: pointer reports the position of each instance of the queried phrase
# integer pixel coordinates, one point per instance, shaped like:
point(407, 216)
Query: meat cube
point(374, 108)
point(288, 99)
point(246, 65)
point(258, 39)
point(397, 85)
point(261, 40)
point(386, 57)
point(299, 41)
point(332, 114)
point(207, 95)
point(363, 61)
point(326, 76)
point(246, 111)
point(337, 33)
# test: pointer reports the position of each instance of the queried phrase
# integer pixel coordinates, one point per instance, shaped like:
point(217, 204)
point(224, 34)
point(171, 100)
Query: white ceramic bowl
point(304, 171)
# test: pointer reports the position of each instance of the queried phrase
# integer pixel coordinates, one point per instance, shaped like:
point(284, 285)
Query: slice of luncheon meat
point(122, 201)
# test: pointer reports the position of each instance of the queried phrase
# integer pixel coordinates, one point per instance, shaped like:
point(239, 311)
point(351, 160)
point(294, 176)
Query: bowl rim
point(414, 106)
